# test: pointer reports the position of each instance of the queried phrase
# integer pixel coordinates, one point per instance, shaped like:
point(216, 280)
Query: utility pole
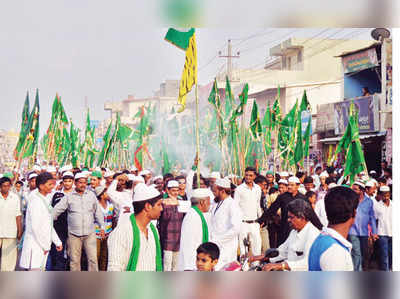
point(229, 59)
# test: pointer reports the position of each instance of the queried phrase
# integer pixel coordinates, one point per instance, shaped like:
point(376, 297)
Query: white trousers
point(170, 260)
point(8, 254)
point(251, 230)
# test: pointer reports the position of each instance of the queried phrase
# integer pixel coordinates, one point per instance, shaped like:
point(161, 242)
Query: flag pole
point(197, 137)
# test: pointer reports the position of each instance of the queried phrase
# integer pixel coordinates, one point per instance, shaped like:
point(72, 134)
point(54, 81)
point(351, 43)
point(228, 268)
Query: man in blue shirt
point(331, 250)
point(358, 234)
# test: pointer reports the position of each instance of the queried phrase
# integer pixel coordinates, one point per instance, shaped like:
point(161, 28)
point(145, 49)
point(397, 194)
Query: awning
point(364, 136)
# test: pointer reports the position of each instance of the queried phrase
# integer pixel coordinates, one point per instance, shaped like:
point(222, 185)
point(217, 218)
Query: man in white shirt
point(125, 252)
point(122, 200)
point(10, 225)
point(383, 213)
point(295, 250)
point(226, 221)
point(194, 229)
point(331, 249)
point(248, 196)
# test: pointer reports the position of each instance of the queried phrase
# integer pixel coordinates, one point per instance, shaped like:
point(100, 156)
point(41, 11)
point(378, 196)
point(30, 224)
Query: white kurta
point(321, 212)
point(191, 239)
point(120, 244)
point(225, 224)
point(39, 233)
point(120, 200)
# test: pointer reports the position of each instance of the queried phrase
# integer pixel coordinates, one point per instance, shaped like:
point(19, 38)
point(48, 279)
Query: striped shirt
point(109, 214)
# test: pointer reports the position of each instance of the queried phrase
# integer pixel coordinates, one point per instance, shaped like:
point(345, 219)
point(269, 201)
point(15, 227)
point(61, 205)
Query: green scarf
point(203, 224)
point(136, 247)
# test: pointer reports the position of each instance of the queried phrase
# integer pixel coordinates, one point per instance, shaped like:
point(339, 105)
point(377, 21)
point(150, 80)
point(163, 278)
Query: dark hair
point(19, 183)
point(382, 180)
point(308, 180)
point(138, 206)
point(272, 190)
point(103, 169)
point(329, 180)
point(318, 168)
point(180, 177)
point(129, 184)
point(4, 180)
point(76, 170)
point(330, 169)
point(300, 208)
point(168, 176)
point(299, 174)
point(126, 171)
point(43, 178)
point(195, 181)
point(116, 175)
point(209, 248)
point(277, 177)
point(340, 204)
point(389, 170)
point(260, 179)
point(309, 194)
point(227, 190)
point(250, 168)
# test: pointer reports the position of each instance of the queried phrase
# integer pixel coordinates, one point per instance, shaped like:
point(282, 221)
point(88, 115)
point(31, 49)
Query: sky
point(104, 55)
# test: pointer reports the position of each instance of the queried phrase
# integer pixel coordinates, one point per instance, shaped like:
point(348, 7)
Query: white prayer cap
point(131, 177)
point(31, 176)
point(109, 174)
point(139, 179)
point(1, 175)
point(68, 174)
point(332, 185)
point(140, 185)
point(384, 189)
point(80, 175)
point(173, 184)
point(51, 169)
point(359, 183)
point(144, 172)
point(86, 173)
point(291, 173)
point(370, 184)
point(324, 174)
point(215, 175)
point(284, 174)
point(201, 193)
point(372, 172)
point(145, 193)
point(283, 181)
point(37, 168)
point(133, 168)
point(158, 177)
point(294, 179)
point(224, 183)
point(99, 190)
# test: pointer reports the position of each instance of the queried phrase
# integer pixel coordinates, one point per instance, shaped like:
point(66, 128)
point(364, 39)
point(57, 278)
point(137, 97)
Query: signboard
point(325, 118)
point(360, 61)
point(368, 119)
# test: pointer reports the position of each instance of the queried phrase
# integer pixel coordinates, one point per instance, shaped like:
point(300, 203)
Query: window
point(289, 63)
point(299, 56)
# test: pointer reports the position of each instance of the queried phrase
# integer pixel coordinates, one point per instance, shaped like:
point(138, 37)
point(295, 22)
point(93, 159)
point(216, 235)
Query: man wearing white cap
point(134, 170)
point(170, 224)
point(195, 229)
point(134, 245)
point(122, 200)
point(108, 177)
point(83, 210)
point(383, 213)
point(225, 223)
point(248, 196)
point(213, 178)
point(31, 186)
point(146, 174)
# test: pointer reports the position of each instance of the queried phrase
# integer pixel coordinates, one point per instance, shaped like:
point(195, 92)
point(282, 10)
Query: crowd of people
point(70, 219)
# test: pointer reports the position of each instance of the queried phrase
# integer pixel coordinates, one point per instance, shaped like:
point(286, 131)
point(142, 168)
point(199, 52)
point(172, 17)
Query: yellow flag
point(189, 74)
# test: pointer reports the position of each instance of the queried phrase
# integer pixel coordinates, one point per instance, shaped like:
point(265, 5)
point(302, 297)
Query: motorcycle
point(244, 261)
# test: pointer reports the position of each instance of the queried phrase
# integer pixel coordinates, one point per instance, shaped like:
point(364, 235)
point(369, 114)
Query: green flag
point(106, 145)
point(32, 137)
point(276, 111)
point(243, 101)
point(355, 161)
point(286, 133)
point(266, 125)
point(24, 127)
point(255, 123)
point(228, 99)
